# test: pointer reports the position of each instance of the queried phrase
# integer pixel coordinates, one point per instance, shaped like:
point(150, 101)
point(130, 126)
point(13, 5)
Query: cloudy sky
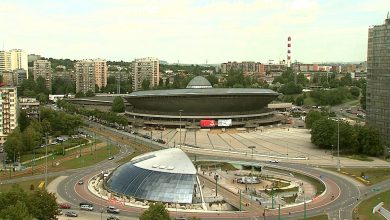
point(192, 31)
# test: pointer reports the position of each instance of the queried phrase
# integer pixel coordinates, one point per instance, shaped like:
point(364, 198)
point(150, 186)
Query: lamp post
point(180, 111)
point(338, 145)
point(252, 147)
point(216, 184)
point(46, 160)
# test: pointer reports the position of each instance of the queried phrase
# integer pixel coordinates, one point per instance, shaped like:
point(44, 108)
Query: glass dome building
point(164, 176)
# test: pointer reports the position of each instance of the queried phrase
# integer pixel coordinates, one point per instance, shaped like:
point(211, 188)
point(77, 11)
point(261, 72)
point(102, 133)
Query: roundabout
point(332, 197)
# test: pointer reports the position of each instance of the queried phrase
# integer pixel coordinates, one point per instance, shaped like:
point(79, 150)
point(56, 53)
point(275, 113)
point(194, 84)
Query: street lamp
point(46, 160)
point(216, 184)
point(252, 147)
point(338, 145)
point(180, 111)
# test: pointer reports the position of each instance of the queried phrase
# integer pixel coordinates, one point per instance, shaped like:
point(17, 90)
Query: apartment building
point(30, 105)
point(8, 111)
point(145, 69)
point(89, 73)
point(42, 68)
point(13, 60)
point(378, 79)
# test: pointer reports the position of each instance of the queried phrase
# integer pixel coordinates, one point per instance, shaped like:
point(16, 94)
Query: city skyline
point(192, 31)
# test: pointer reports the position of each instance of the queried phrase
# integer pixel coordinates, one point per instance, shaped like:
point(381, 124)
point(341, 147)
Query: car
point(80, 182)
point(112, 209)
point(86, 207)
point(71, 214)
point(85, 203)
point(59, 212)
point(112, 218)
point(111, 158)
point(64, 205)
point(274, 161)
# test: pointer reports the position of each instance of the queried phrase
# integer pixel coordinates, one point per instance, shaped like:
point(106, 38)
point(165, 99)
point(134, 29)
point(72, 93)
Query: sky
point(192, 31)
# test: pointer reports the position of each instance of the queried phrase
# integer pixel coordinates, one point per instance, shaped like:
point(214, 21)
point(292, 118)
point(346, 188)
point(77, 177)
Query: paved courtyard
point(282, 143)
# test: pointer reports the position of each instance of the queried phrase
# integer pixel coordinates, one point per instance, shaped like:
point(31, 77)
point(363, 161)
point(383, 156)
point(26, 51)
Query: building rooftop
point(203, 91)
point(199, 82)
point(172, 160)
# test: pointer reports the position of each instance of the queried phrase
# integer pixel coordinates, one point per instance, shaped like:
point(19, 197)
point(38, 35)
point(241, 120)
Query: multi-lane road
point(342, 194)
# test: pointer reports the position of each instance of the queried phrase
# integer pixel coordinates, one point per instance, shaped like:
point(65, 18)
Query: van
point(86, 207)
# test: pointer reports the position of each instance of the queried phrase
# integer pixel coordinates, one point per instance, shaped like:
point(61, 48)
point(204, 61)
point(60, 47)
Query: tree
point(14, 144)
point(312, 117)
point(43, 204)
point(43, 98)
point(299, 100)
point(23, 120)
point(118, 105)
point(322, 133)
point(155, 211)
point(355, 91)
point(19, 211)
point(89, 93)
point(145, 84)
point(31, 138)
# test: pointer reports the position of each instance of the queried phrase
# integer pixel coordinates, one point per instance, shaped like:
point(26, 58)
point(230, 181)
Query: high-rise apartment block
point(8, 114)
point(378, 78)
point(90, 73)
point(145, 69)
point(13, 60)
point(42, 68)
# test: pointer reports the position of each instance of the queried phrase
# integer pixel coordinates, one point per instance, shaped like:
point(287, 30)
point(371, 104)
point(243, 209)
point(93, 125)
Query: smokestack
point(289, 51)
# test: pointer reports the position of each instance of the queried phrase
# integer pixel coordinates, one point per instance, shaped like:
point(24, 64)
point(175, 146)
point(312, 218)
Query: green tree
point(43, 98)
point(145, 84)
point(43, 204)
point(370, 140)
point(23, 120)
point(19, 211)
point(90, 93)
point(155, 211)
point(322, 133)
point(14, 144)
point(355, 91)
point(363, 97)
point(31, 138)
point(118, 105)
point(312, 117)
point(299, 100)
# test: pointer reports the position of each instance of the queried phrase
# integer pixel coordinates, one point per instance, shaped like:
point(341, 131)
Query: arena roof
point(205, 92)
point(199, 82)
point(172, 160)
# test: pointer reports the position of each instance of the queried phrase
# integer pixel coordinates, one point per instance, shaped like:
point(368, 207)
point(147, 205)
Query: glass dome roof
point(152, 177)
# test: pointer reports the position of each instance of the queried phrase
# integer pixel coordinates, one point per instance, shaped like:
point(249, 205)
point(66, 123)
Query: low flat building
point(30, 106)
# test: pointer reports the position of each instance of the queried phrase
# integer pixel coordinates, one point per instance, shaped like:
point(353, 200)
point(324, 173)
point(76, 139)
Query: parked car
point(274, 161)
point(112, 218)
point(64, 205)
point(81, 182)
point(71, 214)
point(85, 203)
point(111, 158)
point(112, 209)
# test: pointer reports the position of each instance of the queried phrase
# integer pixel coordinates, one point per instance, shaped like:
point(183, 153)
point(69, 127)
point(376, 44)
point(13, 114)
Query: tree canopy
point(155, 211)
point(118, 105)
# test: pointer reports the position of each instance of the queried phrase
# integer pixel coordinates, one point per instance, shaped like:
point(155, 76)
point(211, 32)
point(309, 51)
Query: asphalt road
point(339, 208)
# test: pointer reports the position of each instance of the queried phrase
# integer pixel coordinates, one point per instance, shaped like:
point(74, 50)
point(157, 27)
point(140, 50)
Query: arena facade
point(201, 106)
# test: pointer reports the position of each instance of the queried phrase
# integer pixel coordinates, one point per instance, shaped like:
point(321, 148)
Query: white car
point(274, 161)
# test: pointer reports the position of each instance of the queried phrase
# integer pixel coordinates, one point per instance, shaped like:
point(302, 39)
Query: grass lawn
point(319, 186)
point(359, 157)
point(56, 149)
point(374, 175)
point(364, 210)
point(60, 156)
point(25, 185)
point(213, 165)
point(88, 160)
point(318, 217)
point(129, 157)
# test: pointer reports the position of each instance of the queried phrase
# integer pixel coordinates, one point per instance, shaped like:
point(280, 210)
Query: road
point(339, 208)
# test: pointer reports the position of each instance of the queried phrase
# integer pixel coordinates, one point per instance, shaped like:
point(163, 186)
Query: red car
point(64, 205)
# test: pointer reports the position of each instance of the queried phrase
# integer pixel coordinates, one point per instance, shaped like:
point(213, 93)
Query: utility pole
point(338, 145)
point(180, 111)
point(304, 205)
point(216, 184)
point(279, 217)
point(46, 161)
